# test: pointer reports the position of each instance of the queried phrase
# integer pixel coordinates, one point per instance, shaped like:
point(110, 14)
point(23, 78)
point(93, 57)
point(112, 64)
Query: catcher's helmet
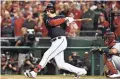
point(50, 8)
point(109, 39)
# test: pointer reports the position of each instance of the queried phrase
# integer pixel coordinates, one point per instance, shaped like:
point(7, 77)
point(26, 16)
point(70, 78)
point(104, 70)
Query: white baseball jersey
point(117, 46)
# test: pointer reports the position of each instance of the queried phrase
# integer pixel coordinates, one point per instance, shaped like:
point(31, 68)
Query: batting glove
point(69, 19)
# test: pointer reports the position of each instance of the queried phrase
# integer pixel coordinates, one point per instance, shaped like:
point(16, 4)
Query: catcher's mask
point(109, 39)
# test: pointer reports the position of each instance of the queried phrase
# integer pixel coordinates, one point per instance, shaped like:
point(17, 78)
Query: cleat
point(27, 73)
point(33, 74)
point(77, 76)
point(84, 72)
point(115, 75)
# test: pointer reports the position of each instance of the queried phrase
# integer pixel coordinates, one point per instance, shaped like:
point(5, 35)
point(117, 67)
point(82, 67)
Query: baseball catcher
point(112, 56)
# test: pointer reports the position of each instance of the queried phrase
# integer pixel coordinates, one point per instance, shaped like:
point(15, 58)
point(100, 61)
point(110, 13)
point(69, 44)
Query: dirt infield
point(52, 77)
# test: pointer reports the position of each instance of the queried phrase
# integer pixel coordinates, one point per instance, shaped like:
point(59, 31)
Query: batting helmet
point(50, 8)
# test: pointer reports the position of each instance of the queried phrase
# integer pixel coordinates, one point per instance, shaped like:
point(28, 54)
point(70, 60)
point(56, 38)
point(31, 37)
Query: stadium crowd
point(95, 16)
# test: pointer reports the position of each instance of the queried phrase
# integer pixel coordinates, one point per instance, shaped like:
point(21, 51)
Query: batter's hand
point(69, 19)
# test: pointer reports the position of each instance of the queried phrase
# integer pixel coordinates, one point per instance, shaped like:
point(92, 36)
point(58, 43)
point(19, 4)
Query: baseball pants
point(116, 60)
point(56, 51)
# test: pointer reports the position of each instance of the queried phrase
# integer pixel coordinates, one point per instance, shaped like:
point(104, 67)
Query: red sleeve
point(56, 22)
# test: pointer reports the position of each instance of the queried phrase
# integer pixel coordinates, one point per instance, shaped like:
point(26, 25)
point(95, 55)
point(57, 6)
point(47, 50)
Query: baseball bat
point(89, 19)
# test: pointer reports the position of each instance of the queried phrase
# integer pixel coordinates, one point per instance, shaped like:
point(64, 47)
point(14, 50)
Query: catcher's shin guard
point(110, 65)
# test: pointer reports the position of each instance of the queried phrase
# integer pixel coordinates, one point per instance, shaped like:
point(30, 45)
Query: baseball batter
point(53, 23)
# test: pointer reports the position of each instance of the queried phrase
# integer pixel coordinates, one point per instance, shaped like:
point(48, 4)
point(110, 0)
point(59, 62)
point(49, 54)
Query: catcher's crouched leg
point(116, 60)
point(111, 67)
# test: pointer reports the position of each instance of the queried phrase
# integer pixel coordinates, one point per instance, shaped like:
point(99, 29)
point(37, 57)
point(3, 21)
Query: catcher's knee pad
point(111, 66)
point(116, 61)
